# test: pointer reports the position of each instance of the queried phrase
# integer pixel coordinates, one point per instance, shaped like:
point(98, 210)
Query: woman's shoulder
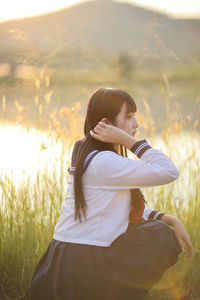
point(106, 153)
point(100, 154)
point(107, 157)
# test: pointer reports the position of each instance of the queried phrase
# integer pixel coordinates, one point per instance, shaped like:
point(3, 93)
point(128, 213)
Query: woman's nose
point(135, 124)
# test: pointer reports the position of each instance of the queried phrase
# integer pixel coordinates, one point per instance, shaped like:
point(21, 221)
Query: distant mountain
point(103, 25)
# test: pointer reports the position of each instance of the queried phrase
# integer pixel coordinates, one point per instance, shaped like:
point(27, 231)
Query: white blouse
point(106, 185)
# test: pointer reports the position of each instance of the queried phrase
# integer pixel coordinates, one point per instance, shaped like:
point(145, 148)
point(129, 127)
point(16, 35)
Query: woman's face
point(125, 121)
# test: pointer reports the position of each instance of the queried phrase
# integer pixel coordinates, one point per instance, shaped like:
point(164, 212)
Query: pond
point(25, 153)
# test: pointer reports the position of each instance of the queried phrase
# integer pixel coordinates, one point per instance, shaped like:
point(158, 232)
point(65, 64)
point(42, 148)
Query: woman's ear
point(105, 120)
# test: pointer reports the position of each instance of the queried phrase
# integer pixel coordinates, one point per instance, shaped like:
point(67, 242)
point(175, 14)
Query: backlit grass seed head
point(182, 124)
point(178, 126)
point(43, 146)
point(36, 100)
point(19, 107)
point(47, 81)
point(165, 134)
point(37, 83)
point(195, 124)
point(76, 107)
point(4, 102)
point(41, 74)
point(47, 97)
point(40, 109)
point(64, 112)
point(153, 129)
point(165, 79)
point(189, 117)
point(54, 118)
point(142, 120)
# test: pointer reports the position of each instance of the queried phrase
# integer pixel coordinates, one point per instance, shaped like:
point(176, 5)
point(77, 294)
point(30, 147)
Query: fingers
point(98, 131)
point(183, 239)
point(103, 124)
point(98, 128)
point(96, 136)
point(106, 133)
point(189, 251)
point(181, 244)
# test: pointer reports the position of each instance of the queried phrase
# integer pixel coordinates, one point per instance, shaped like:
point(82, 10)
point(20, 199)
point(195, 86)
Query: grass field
point(38, 151)
point(30, 208)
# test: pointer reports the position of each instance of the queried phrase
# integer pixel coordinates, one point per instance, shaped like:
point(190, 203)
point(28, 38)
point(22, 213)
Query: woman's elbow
point(172, 174)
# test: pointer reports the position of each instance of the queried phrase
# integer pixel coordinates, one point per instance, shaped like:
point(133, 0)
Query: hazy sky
point(11, 9)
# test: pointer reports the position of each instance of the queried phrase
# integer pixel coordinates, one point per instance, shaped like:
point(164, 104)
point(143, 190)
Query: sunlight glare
point(19, 9)
point(25, 152)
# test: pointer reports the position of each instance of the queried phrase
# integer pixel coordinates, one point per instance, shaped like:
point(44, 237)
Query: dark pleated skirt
point(127, 269)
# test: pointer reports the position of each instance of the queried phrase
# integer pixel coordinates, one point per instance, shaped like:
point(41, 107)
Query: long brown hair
point(104, 103)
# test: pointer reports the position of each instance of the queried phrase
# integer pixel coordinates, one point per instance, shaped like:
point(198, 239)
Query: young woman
point(107, 245)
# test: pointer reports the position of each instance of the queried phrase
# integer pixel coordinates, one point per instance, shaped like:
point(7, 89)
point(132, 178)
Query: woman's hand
point(112, 134)
point(181, 234)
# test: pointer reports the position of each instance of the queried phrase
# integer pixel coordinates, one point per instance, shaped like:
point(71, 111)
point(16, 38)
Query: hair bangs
point(130, 103)
point(122, 96)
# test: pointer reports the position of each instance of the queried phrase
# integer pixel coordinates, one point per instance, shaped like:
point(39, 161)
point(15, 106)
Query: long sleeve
point(116, 172)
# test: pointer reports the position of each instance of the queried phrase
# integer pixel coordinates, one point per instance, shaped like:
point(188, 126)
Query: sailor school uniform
point(106, 256)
